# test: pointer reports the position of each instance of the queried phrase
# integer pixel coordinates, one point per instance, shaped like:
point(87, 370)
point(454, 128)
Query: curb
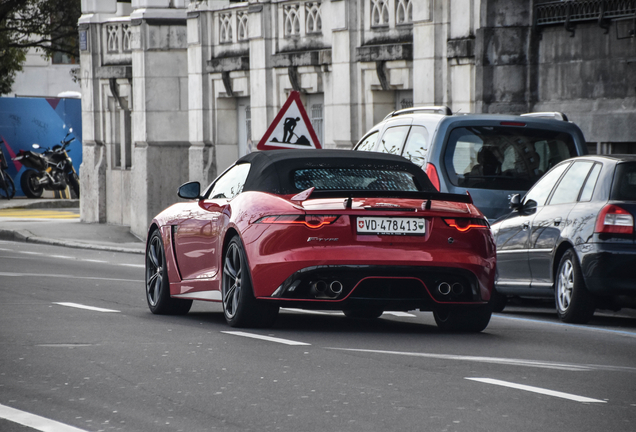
point(44, 203)
point(28, 237)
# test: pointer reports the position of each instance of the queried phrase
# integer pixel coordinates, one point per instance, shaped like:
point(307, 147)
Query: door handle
point(557, 221)
point(525, 226)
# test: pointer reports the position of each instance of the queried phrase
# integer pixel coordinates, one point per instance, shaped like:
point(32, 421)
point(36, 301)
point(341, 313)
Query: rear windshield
point(504, 158)
point(354, 179)
point(624, 187)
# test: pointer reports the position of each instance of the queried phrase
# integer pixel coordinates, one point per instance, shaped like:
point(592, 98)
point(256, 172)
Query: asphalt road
point(81, 352)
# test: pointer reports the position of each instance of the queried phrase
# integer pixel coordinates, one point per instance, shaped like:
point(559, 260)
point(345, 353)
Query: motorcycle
point(51, 170)
point(7, 187)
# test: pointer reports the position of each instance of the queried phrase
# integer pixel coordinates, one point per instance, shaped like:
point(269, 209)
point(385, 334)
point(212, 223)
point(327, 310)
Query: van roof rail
point(548, 115)
point(437, 109)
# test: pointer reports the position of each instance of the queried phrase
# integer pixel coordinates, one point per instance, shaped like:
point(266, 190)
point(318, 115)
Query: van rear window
point(504, 158)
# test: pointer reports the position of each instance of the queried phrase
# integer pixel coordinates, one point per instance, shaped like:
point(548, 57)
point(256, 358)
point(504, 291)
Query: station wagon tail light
point(614, 220)
point(311, 221)
point(464, 224)
point(431, 172)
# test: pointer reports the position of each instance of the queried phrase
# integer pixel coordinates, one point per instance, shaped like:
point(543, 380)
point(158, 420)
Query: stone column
point(94, 160)
point(160, 109)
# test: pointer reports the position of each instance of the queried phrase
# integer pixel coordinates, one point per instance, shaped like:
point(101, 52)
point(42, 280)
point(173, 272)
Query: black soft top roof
point(271, 171)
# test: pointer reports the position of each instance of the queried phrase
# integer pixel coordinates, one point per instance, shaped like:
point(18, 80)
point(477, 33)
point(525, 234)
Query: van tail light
point(464, 224)
point(311, 221)
point(614, 220)
point(431, 172)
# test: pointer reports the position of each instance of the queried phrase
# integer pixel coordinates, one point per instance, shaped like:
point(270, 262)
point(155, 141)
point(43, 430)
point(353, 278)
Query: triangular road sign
point(291, 129)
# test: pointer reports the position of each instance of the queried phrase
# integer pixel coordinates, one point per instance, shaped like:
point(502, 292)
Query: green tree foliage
point(49, 26)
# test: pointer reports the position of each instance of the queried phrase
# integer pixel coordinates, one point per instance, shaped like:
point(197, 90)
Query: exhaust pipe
point(335, 288)
point(318, 288)
point(458, 288)
point(444, 288)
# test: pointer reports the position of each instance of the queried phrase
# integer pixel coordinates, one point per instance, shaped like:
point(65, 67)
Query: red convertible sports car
point(322, 229)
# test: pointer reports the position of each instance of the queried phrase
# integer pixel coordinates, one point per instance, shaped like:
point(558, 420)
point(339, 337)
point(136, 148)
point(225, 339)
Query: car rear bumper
point(384, 287)
point(610, 269)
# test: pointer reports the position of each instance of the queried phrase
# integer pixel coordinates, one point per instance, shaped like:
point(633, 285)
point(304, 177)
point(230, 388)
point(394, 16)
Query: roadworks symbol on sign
point(291, 129)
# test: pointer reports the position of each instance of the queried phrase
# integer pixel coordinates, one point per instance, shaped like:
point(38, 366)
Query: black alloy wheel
point(240, 307)
point(30, 185)
point(574, 303)
point(157, 283)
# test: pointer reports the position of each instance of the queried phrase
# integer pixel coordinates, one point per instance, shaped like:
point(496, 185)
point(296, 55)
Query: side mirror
point(190, 190)
point(36, 146)
point(515, 202)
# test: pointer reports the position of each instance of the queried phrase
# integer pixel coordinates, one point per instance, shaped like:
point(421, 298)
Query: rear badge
point(321, 239)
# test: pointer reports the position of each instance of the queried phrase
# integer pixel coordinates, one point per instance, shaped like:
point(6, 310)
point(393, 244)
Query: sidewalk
point(66, 232)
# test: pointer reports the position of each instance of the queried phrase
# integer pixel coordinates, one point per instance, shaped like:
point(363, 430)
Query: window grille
point(314, 17)
point(112, 44)
point(242, 26)
point(317, 120)
point(403, 12)
point(379, 13)
point(292, 20)
point(127, 35)
point(225, 28)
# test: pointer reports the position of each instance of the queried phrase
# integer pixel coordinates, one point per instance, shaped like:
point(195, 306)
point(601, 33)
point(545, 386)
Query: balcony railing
point(381, 12)
point(302, 18)
point(117, 42)
point(572, 11)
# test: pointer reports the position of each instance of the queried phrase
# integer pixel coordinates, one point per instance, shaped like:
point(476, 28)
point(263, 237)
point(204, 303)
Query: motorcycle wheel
point(28, 181)
point(73, 181)
point(7, 190)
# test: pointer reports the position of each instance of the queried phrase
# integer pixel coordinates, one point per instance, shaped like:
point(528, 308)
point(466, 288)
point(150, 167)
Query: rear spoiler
point(349, 195)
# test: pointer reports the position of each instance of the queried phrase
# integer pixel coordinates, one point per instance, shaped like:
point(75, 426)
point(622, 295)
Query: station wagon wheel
point(574, 303)
point(240, 307)
point(157, 283)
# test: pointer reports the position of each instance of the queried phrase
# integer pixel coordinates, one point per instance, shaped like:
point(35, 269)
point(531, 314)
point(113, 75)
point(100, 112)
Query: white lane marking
point(61, 256)
point(400, 314)
point(81, 306)
point(67, 277)
point(133, 265)
point(569, 326)
point(31, 253)
point(93, 260)
point(266, 338)
point(35, 421)
point(77, 259)
point(495, 360)
point(314, 312)
point(537, 390)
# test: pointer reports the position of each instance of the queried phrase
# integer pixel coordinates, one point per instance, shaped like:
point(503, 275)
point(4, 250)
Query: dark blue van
point(492, 156)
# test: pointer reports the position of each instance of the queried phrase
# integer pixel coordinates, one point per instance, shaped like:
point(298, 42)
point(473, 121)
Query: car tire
point(240, 307)
point(498, 301)
point(157, 282)
point(363, 313)
point(29, 185)
point(574, 303)
point(468, 320)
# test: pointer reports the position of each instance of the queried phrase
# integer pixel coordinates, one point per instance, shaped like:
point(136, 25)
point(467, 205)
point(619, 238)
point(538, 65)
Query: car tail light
point(311, 221)
point(511, 123)
point(431, 172)
point(614, 220)
point(464, 224)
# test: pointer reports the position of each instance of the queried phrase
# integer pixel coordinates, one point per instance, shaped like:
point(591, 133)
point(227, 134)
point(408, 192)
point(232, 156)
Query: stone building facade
point(176, 90)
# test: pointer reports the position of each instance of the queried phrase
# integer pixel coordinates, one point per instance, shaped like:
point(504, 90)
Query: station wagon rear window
point(624, 187)
point(504, 158)
point(354, 179)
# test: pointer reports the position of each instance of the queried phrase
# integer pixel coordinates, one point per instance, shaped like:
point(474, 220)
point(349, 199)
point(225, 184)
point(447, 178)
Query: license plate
point(390, 225)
